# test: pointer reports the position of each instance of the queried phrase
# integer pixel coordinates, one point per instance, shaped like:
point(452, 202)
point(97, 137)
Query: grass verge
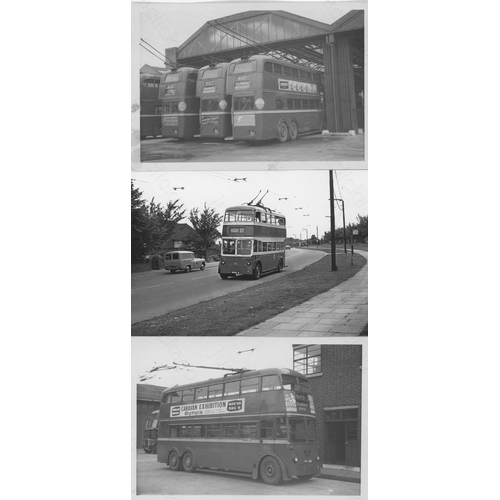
point(231, 314)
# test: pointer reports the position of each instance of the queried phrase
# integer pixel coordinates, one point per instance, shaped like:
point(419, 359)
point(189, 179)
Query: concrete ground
point(317, 147)
point(155, 478)
point(342, 311)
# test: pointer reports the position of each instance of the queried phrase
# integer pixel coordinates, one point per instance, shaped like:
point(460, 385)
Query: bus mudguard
point(284, 472)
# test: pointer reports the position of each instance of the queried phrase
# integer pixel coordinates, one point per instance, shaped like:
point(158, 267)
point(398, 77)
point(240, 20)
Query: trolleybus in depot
point(215, 102)
point(150, 105)
point(260, 423)
point(180, 106)
point(151, 433)
point(274, 99)
point(253, 241)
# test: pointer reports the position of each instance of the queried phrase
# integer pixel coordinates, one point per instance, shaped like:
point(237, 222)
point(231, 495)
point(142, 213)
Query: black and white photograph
point(256, 245)
point(254, 83)
point(249, 417)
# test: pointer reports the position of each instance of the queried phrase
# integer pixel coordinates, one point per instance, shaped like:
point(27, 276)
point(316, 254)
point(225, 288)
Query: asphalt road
point(307, 148)
point(154, 478)
point(158, 292)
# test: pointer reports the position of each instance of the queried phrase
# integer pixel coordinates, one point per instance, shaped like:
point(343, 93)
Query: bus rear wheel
point(280, 266)
point(270, 471)
point(188, 462)
point(257, 272)
point(282, 132)
point(174, 461)
point(293, 132)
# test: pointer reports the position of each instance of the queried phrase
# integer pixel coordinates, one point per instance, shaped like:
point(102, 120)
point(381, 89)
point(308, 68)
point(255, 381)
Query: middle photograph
point(258, 253)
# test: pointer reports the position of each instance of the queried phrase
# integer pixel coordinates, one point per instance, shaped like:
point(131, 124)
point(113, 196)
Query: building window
point(307, 359)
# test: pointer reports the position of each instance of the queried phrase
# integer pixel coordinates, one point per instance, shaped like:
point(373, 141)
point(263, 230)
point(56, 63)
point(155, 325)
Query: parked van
point(183, 261)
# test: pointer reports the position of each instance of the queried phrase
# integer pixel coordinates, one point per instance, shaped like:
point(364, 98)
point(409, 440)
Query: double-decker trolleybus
point(150, 105)
point(215, 103)
point(273, 99)
point(253, 241)
point(151, 433)
point(260, 423)
point(181, 107)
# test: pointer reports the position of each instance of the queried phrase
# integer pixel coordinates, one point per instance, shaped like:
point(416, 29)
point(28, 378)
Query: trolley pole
point(332, 223)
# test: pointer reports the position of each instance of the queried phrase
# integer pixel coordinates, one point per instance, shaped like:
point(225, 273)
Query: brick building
point(148, 400)
point(334, 373)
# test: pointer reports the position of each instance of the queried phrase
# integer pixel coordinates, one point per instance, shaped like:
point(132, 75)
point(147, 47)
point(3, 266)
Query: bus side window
point(287, 71)
point(213, 431)
point(249, 385)
point(281, 428)
point(232, 388)
point(215, 391)
point(201, 393)
point(280, 104)
point(266, 428)
point(198, 431)
point(186, 431)
point(174, 431)
point(248, 431)
point(271, 383)
point(268, 66)
point(187, 395)
point(278, 69)
point(295, 72)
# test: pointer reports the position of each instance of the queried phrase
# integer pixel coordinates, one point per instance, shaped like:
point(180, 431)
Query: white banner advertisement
point(217, 407)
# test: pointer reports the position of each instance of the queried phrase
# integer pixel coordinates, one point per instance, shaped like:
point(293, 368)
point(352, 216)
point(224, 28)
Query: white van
point(183, 261)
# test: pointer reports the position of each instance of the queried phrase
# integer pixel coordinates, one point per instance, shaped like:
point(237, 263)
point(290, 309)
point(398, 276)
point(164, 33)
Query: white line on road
point(154, 286)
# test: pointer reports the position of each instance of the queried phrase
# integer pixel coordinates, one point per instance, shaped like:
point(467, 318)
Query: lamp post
point(343, 220)
point(332, 223)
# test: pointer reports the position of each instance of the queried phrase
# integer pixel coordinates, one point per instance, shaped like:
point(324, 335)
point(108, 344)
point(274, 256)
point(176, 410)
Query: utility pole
point(343, 220)
point(332, 223)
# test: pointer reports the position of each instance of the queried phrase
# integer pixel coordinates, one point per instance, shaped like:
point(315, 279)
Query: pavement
point(348, 474)
point(342, 311)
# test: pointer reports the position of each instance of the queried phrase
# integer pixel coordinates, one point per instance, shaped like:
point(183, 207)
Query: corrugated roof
point(148, 392)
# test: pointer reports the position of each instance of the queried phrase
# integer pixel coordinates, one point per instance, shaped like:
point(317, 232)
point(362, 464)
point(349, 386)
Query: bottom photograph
point(248, 416)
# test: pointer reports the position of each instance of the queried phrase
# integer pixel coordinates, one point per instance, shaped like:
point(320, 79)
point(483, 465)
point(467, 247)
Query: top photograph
point(216, 84)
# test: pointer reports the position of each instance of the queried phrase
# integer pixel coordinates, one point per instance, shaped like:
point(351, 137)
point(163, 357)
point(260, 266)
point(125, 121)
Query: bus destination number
point(209, 90)
point(297, 86)
point(245, 84)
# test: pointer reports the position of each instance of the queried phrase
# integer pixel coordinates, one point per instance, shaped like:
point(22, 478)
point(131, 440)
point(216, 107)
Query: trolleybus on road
point(253, 241)
point(181, 107)
point(150, 105)
point(151, 433)
point(215, 103)
point(260, 423)
point(274, 99)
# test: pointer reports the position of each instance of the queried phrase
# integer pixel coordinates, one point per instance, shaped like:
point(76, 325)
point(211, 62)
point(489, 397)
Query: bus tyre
point(280, 266)
point(188, 269)
point(257, 272)
point(282, 132)
point(224, 276)
point(174, 461)
point(270, 471)
point(293, 131)
point(188, 462)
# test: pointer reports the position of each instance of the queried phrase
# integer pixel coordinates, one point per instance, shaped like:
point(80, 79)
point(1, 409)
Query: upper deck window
point(239, 216)
point(172, 77)
point(232, 388)
point(242, 67)
point(192, 76)
point(155, 83)
point(271, 383)
point(187, 395)
point(211, 73)
point(249, 385)
point(201, 393)
point(173, 397)
point(215, 391)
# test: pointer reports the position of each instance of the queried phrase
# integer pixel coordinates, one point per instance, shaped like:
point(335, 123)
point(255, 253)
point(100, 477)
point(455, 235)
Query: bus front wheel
point(270, 471)
point(293, 132)
point(257, 272)
point(174, 461)
point(188, 269)
point(188, 462)
point(282, 132)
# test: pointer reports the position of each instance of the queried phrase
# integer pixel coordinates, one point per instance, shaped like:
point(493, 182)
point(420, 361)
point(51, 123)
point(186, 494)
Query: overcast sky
point(222, 352)
point(170, 24)
point(307, 194)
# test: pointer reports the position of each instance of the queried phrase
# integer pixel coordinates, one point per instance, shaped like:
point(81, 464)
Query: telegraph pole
point(332, 222)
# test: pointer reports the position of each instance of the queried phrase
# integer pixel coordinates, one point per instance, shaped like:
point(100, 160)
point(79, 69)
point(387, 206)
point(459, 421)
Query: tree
point(161, 223)
point(205, 225)
point(138, 218)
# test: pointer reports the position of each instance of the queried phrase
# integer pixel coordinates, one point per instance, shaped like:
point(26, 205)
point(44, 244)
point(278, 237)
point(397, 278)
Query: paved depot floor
point(342, 311)
point(304, 149)
point(154, 478)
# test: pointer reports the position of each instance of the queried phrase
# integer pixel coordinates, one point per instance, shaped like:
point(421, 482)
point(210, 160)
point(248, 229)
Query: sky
point(222, 352)
point(170, 24)
point(306, 207)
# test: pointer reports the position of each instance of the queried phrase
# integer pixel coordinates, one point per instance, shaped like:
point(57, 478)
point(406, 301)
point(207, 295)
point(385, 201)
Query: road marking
point(201, 277)
point(154, 286)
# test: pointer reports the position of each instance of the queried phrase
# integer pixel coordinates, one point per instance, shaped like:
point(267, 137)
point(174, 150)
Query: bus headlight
point(295, 459)
point(249, 262)
point(222, 261)
point(182, 106)
point(222, 104)
point(259, 103)
point(317, 458)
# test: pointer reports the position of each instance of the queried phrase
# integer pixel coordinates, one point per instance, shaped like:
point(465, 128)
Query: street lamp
point(332, 223)
point(343, 221)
